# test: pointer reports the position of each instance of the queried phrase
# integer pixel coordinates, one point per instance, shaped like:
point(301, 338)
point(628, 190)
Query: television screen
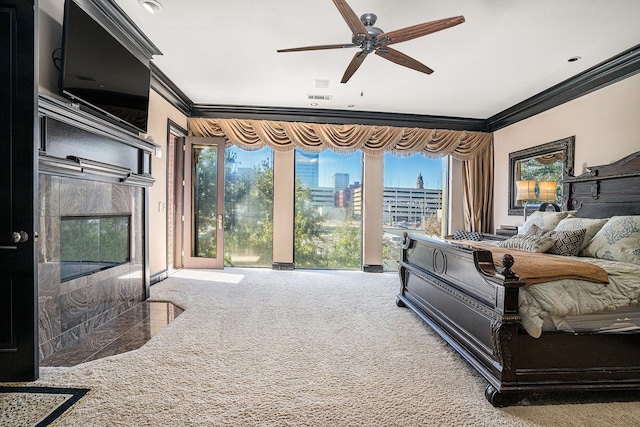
point(99, 71)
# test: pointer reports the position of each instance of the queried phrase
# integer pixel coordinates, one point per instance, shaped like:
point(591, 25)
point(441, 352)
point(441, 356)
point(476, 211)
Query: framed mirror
point(536, 175)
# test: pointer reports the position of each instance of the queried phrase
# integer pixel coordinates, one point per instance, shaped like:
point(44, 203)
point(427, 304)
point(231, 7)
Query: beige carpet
point(257, 347)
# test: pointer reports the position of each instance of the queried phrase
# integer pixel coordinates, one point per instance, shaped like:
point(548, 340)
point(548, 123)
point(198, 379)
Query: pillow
point(617, 240)
point(467, 235)
point(528, 243)
point(534, 230)
point(567, 243)
point(592, 226)
point(544, 220)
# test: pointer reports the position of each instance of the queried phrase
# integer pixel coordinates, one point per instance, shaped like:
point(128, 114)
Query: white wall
point(606, 124)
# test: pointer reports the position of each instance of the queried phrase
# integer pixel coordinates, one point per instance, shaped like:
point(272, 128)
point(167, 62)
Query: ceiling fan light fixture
point(151, 6)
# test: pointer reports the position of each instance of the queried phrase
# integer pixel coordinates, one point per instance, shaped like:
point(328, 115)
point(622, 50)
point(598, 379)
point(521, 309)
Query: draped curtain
point(314, 138)
point(474, 148)
point(477, 181)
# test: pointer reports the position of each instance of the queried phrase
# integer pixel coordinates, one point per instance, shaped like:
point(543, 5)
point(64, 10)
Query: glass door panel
point(204, 203)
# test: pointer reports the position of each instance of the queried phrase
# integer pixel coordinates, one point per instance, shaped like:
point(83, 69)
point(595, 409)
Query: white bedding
point(573, 297)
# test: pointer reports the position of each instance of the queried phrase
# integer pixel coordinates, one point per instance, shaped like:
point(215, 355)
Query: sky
point(399, 171)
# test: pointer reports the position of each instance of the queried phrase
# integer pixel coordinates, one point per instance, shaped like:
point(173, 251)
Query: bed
point(474, 297)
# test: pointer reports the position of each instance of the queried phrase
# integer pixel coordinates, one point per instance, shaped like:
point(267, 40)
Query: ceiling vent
point(319, 97)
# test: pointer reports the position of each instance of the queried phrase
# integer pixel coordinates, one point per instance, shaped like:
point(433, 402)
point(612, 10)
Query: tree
point(345, 245)
point(248, 210)
point(307, 232)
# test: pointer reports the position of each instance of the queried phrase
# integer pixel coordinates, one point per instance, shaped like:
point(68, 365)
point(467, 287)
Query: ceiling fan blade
point(419, 30)
point(320, 47)
point(352, 20)
point(402, 59)
point(353, 66)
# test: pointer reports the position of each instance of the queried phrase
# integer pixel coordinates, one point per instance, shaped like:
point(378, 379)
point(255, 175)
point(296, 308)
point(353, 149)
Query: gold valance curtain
point(475, 149)
point(314, 138)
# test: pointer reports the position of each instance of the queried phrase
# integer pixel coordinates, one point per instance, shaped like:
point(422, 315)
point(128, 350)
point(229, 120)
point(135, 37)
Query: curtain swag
point(314, 138)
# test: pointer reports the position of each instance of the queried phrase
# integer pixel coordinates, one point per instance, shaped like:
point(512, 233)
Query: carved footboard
point(474, 306)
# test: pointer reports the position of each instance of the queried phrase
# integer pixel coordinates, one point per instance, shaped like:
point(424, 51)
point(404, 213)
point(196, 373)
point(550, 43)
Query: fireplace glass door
point(204, 203)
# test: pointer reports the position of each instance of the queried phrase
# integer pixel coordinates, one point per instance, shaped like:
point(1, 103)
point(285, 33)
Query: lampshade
point(525, 190)
point(547, 191)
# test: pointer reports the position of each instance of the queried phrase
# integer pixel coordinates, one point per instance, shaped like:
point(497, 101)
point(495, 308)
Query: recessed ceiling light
point(314, 104)
point(574, 59)
point(152, 6)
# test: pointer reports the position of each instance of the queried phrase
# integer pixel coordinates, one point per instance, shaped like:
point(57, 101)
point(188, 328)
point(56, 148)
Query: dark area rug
point(37, 406)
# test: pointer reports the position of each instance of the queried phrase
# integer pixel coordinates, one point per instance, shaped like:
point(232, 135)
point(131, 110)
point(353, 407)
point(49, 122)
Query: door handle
point(220, 222)
point(19, 237)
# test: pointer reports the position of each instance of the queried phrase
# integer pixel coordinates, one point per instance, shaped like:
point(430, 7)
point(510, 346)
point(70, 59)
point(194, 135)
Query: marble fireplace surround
point(88, 167)
point(70, 310)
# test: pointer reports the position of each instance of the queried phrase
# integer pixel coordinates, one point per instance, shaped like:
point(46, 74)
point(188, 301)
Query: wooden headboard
point(605, 191)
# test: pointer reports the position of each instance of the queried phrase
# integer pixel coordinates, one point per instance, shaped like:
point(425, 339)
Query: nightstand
point(507, 231)
point(495, 236)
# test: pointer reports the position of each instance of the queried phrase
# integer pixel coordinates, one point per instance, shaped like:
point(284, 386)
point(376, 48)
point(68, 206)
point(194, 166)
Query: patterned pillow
point(534, 230)
point(617, 240)
point(467, 235)
point(528, 243)
point(544, 220)
point(567, 243)
point(592, 226)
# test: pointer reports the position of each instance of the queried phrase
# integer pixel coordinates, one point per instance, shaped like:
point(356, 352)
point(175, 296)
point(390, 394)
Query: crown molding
point(610, 71)
point(161, 84)
point(313, 115)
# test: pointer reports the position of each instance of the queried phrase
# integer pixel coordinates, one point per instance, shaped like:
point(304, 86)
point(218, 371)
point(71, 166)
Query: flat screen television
point(98, 71)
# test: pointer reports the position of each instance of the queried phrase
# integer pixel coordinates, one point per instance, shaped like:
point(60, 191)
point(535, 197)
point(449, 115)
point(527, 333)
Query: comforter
point(569, 297)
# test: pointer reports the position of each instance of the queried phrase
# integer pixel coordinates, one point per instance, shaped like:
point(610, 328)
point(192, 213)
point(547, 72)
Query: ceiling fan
point(373, 39)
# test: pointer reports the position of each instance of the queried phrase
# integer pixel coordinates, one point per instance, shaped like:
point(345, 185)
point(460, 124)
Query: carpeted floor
point(257, 347)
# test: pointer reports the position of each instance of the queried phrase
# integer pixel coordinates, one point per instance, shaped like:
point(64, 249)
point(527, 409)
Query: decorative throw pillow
point(617, 240)
point(544, 220)
point(591, 225)
point(467, 235)
point(528, 243)
point(534, 230)
point(567, 243)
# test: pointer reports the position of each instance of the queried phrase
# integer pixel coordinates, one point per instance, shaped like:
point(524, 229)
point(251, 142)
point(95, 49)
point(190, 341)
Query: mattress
point(624, 320)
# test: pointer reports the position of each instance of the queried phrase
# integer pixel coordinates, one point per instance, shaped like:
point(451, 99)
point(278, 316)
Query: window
point(328, 210)
point(412, 202)
point(248, 207)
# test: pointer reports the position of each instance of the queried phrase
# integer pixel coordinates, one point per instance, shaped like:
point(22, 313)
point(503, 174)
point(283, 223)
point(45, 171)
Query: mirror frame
point(566, 145)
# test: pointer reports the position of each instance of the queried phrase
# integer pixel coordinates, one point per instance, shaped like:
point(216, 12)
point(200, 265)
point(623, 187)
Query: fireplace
point(92, 244)
point(92, 186)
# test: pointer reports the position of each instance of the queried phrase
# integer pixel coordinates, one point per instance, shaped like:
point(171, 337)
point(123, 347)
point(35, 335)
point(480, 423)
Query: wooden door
point(19, 355)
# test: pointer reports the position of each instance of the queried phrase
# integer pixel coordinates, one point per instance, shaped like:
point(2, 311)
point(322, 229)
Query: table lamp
point(525, 191)
point(547, 193)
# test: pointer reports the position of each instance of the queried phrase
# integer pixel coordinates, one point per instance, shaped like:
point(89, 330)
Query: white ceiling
point(224, 52)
